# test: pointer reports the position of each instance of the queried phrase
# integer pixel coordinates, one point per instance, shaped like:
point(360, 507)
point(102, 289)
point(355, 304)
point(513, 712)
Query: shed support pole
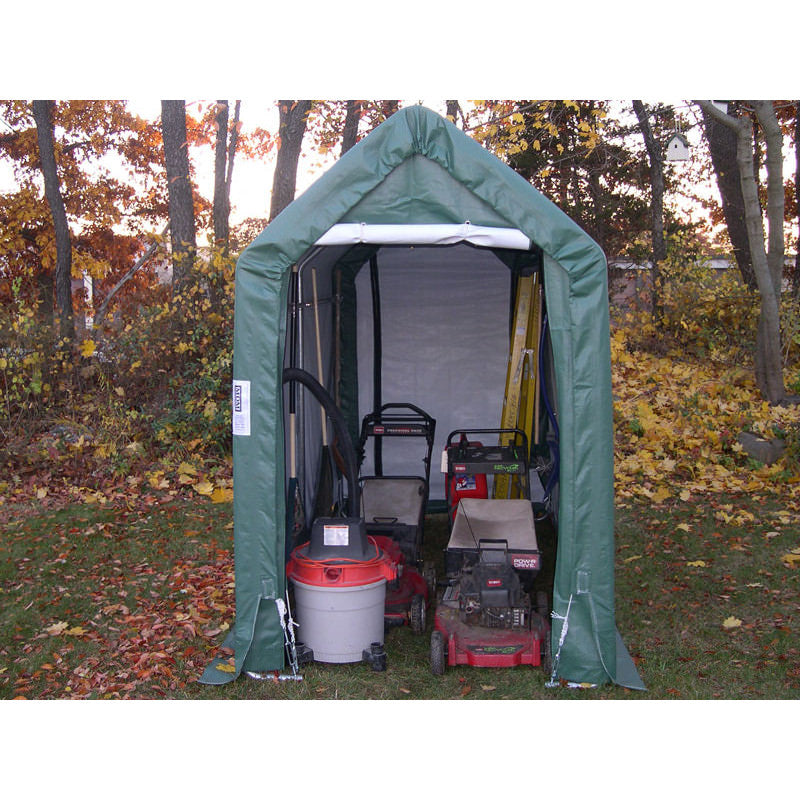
point(377, 355)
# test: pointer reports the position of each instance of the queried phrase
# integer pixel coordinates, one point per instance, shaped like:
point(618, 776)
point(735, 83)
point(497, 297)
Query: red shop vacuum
point(489, 614)
point(339, 577)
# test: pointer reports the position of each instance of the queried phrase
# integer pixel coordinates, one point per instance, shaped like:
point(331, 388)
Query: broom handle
point(319, 352)
point(292, 446)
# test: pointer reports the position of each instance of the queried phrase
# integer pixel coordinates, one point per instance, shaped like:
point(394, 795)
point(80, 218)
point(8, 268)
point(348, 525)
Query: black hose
point(348, 452)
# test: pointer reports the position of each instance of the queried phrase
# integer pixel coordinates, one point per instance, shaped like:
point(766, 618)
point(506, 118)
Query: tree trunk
point(224, 153)
point(234, 140)
point(722, 146)
point(181, 206)
point(776, 198)
point(768, 362)
point(351, 120)
point(453, 108)
point(221, 201)
point(43, 115)
point(599, 231)
point(291, 129)
point(656, 206)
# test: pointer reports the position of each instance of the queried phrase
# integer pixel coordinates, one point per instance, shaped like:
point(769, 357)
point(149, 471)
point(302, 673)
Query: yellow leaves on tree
point(508, 127)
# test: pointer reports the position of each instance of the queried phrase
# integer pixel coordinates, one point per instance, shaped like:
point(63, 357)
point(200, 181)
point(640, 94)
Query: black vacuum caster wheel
point(437, 653)
point(417, 614)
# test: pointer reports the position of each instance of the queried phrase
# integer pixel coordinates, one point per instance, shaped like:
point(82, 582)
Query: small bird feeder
point(677, 148)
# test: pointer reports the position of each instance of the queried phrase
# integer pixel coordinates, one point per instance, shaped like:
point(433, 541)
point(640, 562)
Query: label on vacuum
point(240, 417)
point(336, 535)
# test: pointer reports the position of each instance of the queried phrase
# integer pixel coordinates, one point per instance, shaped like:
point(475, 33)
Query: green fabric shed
point(450, 225)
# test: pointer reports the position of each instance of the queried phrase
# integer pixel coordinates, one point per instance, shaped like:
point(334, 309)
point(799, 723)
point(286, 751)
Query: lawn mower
point(486, 616)
point(393, 508)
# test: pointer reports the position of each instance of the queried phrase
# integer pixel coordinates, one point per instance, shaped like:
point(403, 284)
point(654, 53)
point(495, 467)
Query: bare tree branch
point(141, 261)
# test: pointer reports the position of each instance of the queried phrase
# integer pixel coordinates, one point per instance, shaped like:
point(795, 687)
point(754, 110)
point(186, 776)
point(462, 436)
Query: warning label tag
point(241, 408)
point(336, 535)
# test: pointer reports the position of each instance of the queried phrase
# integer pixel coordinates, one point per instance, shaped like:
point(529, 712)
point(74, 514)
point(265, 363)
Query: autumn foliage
point(130, 424)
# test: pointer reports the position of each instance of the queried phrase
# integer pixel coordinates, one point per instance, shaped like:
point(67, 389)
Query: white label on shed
point(336, 535)
point(241, 408)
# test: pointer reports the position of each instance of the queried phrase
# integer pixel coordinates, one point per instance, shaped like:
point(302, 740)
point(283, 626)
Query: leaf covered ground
point(123, 588)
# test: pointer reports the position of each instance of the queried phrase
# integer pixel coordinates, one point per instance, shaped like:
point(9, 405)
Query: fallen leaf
point(660, 495)
point(405, 691)
point(696, 564)
point(731, 622)
point(226, 668)
point(41, 493)
point(792, 558)
point(221, 495)
point(630, 558)
point(684, 526)
point(76, 631)
point(487, 688)
point(204, 487)
point(57, 628)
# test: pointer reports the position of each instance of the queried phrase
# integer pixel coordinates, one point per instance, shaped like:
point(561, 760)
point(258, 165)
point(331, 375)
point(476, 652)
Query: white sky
point(359, 49)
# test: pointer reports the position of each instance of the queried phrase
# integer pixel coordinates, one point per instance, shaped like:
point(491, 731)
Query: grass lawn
point(110, 602)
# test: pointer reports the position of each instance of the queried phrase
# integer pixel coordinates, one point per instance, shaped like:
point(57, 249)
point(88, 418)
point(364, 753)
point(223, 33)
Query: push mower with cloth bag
point(393, 508)
point(487, 616)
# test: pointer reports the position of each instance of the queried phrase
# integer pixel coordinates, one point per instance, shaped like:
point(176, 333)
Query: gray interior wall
point(445, 331)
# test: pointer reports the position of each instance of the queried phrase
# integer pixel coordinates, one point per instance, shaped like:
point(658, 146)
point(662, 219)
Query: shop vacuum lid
point(340, 555)
point(340, 538)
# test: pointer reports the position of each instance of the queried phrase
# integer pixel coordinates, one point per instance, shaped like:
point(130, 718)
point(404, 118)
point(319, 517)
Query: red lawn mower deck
point(486, 617)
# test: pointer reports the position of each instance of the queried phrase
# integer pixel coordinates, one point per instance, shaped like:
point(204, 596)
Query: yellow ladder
point(519, 401)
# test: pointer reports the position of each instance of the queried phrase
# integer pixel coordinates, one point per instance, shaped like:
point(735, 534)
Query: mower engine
point(490, 593)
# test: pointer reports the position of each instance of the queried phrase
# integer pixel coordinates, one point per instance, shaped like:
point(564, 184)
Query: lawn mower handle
point(498, 431)
point(418, 411)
